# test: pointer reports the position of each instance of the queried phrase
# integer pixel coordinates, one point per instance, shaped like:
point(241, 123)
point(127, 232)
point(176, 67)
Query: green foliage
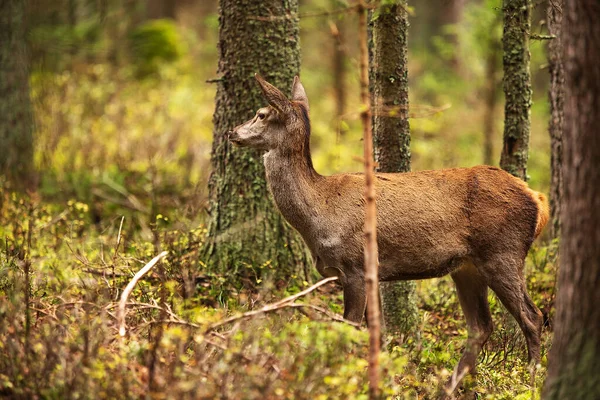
point(153, 44)
point(124, 165)
point(121, 145)
point(50, 42)
point(65, 344)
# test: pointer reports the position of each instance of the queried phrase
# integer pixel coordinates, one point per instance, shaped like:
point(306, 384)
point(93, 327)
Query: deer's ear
point(298, 93)
point(273, 95)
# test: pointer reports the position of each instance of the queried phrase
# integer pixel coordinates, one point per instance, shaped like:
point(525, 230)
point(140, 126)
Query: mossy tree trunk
point(574, 359)
point(391, 136)
point(517, 87)
point(556, 97)
point(245, 230)
point(16, 120)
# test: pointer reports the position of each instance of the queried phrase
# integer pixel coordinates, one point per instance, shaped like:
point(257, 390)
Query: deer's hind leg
point(472, 291)
point(511, 289)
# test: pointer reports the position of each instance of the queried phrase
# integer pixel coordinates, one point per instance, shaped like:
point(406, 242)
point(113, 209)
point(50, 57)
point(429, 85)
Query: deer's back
point(428, 221)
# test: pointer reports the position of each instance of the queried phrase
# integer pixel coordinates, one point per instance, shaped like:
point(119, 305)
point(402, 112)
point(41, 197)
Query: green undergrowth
point(124, 164)
point(61, 277)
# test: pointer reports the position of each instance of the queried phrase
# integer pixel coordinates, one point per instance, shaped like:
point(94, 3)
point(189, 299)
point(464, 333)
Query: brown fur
point(476, 224)
point(544, 211)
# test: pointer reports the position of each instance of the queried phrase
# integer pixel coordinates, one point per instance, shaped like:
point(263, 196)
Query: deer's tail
point(543, 211)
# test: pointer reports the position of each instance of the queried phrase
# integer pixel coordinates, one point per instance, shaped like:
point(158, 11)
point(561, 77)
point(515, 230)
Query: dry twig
point(129, 288)
point(271, 307)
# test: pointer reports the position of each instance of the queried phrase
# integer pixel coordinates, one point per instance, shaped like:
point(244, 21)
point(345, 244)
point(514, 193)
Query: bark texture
point(16, 120)
point(391, 136)
point(517, 87)
point(245, 229)
point(574, 359)
point(556, 97)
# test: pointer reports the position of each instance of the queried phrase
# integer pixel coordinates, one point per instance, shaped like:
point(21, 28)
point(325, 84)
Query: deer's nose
point(232, 136)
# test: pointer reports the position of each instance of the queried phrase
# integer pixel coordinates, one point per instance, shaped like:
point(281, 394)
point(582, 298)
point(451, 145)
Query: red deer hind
point(476, 224)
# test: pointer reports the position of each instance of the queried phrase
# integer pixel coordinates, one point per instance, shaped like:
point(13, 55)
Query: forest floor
point(124, 167)
point(62, 275)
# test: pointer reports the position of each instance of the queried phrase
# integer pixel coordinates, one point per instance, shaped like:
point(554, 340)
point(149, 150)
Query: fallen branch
point(129, 288)
point(455, 379)
point(117, 274)
point(288, 302)
point(321, 310)
point(270, 307)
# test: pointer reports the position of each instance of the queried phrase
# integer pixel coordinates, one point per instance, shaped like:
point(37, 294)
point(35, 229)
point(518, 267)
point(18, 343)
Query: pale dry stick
point(455, 380)
point(371, 256)
point(284, 303)
point(176, 320)
point(417, 111)
point(118, 239)
point(129, 288)
point(114, 257)
point(321, 310)
point(394, 111)
point(271, 307)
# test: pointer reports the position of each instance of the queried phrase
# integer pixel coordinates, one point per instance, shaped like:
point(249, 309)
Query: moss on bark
point(556, 97)
point(574, 359)
point(517, 87)
point(245, 230)
point(391, 135)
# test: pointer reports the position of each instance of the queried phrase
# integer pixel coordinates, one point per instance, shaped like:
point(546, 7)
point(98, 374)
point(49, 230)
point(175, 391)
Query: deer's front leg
point(355, 298)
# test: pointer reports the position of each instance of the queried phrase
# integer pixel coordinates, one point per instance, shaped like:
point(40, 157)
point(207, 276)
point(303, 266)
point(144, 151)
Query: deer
point(476, 224)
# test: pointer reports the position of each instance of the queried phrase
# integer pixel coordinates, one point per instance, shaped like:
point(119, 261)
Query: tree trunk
point(574, 359)
point(245, 229)
point(517, 87)
point(16, 120)
point(556, 96)
point(452, 14)
point(391, 136)
point(339, 67)
point(156, 9)
point(489, 119)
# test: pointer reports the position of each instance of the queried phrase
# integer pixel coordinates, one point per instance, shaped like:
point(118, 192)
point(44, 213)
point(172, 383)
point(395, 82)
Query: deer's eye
point(261, 116)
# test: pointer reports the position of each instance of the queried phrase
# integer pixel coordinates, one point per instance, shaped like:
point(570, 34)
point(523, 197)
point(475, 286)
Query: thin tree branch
point(129, 288)
point(270, 307)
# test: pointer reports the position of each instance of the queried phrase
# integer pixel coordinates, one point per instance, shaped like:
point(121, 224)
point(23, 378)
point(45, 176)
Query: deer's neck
point(292, 181)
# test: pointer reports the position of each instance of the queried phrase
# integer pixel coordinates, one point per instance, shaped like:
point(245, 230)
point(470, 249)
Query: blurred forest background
point(122, 97)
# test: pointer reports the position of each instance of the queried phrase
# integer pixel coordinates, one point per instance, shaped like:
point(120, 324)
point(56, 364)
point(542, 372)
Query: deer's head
point(283, 124)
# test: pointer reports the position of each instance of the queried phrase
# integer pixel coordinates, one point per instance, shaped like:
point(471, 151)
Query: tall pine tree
point(391, 135)
point(574, 359)
point(16, 121)
point(245, 228)
point(517, 87)
point(556, 96)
